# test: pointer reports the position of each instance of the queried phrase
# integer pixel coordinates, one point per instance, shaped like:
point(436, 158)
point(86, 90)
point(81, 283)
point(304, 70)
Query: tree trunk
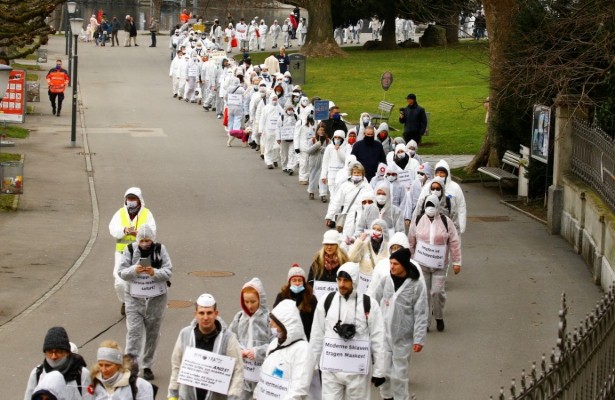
point(389, 41)
point(157, 4)
point(499, 15)
point(319, 41)
point(451, 24)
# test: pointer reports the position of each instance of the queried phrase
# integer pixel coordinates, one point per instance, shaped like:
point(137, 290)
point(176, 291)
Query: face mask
point(392, 178)
point(337, 141)
point(274, 102)
point(275, 333)
point(400, 155)
point(381, 199)
point(289, 112)
point(58, 66)
point(356, 179)
point(56, 363)
point(376, 234)
point(262, 89)
point(382, 135)
point(132, 204)
point(297, 289)
point(412, 152)
point(436, 193)
point(286, 80)
point(430, 211)
point(265, 75)
point(336, 117)
point(365, 121)
point(369, 139)
point(145, 246)
point(263, 94)
point(352, 140)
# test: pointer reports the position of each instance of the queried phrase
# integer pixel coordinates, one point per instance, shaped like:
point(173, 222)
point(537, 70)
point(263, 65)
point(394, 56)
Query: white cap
point(206, 300)
point(331, 237)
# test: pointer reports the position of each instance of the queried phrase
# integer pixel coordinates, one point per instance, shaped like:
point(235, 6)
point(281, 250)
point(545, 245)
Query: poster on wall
point(541, 128)
point(13, 105)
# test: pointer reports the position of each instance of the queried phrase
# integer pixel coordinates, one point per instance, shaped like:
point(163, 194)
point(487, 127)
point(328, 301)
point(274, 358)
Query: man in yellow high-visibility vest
point(124, 227)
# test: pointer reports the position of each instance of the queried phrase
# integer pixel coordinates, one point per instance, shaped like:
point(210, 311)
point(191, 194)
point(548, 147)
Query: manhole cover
point(490, 218)
point(179, 303)
point(211, 274)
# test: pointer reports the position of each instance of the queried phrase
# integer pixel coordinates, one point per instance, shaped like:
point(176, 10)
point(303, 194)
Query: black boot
point(58, 113)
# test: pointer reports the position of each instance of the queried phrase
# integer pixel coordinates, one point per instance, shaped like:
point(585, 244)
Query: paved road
point(219, 209)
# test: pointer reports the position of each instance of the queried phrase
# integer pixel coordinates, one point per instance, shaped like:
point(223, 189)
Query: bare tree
point(22, 25)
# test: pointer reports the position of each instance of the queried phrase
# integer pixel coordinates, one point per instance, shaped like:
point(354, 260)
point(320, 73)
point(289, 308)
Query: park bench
point(383, 114)
point(510, 160)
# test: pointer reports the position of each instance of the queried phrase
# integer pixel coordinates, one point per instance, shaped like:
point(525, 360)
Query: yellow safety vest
point(140, 220)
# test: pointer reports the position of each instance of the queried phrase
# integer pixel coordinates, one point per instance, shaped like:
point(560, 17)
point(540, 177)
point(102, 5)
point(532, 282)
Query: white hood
point(287, 313)
point(137, 192)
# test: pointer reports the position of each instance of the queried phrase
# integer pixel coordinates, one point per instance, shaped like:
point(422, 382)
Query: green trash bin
point(11, 177)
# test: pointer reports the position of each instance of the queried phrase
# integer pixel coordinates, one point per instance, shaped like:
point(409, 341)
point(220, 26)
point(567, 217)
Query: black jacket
point(414, 120)
point(370, 155)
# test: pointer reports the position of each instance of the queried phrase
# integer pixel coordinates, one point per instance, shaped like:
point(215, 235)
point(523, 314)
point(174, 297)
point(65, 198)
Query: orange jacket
point(57, 79)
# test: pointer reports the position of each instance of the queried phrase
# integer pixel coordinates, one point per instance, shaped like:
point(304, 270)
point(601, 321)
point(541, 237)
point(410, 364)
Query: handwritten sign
point(206, 370)
point(430, 255)
point(364, 281)
point(234, 100)
point(350, 356)
point(144, 286)
point(321, 288)
point(251, 370)
point(287, 132)
point(271, 388)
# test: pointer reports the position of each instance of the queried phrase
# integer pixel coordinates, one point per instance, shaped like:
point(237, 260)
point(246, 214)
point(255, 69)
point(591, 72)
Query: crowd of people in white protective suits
point(351, 319)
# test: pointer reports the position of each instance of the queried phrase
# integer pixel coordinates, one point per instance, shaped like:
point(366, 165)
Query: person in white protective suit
point(193, 75)
point(268, 126)
point(174, 73)
point(423, 175)
point(174, 43)
point(380, 175)
point(51, 386)
point(215, 33)
point(262, 31)
point(453, 192)
point(286, 31)
point(253, 36)
point(437, 188)
point(364, 121)
point(124, 226)
point(347, 198)
point(346, 318)
point(404, 162)
point(274, 32)
point(344, 174)
point(432, 238)
point(381, 209)
point(285, 136)
point(257, 102)
point(251, 326)
point(288, 356)
point(304, 132)
point(228, 74)
point(316, 150)
point(206, 332)
point(403, 300)
point(370, 247)
point(397, 190)
point(412, 147)
point(217, 71)
point(382, 134)
point(147, 269)
point(241, 31)
point(305, 109)
point(301, 32)
point(234, 103)
point(333, 160)
point(229, 35)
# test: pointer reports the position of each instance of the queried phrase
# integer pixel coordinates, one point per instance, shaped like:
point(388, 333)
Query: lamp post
point(75, 24)
point(5, 73)
point(71, 7)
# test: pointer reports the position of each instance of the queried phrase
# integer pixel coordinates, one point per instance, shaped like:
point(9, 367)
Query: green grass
point(14, 132)
point(27, 67)
point(6, 200)
point(31, 77)
point(451, 83)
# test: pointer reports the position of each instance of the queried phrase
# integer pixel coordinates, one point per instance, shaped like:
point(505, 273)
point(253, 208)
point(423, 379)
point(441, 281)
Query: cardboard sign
point(206, 370)
point(13, 105)
point(234, 100)
point(430, 255)
point(287, 132)
point(322, 288)
point(321, 110)
point(271, 388)
point(251, 370)
point(339, 355)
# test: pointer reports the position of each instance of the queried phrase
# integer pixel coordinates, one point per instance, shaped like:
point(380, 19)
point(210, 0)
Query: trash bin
point(297, 68)
point(41, 56)
point(11, 177)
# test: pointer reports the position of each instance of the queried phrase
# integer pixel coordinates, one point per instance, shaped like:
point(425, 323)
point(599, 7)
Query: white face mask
point(401, 155)
point(392, 178)
point(289, 112)
point(381, 199)
point(430, 211)
point(436, 193)
point(356, 179)
point(412, 152)
point(274, 102)
point(337, 141)
point(132, 204)
point(275, 333)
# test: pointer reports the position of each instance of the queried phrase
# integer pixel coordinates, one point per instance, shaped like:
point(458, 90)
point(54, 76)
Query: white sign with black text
point(271, 388)
point(206, 370)
point(322, 288)
point(430, 255)
point(339, 355)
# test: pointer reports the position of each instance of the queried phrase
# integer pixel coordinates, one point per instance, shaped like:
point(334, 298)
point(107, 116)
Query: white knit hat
point(331, 237)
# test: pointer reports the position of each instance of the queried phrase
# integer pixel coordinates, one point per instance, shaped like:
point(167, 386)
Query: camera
point(401, 110)
point(346, 331)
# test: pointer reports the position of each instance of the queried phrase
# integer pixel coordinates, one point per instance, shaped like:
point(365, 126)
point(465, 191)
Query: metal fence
point(581, 366)
point(593, 158)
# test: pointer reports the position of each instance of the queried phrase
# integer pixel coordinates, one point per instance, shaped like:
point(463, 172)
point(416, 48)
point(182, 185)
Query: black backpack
point(156, 257)
point(367, 304)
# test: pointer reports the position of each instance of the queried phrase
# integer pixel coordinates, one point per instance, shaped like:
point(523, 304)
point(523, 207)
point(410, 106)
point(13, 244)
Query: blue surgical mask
point(336, 116)
point(296, 289)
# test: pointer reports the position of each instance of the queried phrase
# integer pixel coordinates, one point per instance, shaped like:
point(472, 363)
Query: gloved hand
point(297, 151)
point(378, 381)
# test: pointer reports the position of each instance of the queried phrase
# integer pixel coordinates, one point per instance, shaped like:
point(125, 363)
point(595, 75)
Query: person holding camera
point(347, 334)
point(414, 119)
point(147, 268)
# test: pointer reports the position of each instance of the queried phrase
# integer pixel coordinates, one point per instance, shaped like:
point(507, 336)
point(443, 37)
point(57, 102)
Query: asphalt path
point(218, 209)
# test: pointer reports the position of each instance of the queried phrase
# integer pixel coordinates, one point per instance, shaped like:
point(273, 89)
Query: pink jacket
point(442, 236)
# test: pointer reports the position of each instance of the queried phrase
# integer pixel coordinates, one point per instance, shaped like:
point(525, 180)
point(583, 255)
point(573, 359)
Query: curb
point(507, 204)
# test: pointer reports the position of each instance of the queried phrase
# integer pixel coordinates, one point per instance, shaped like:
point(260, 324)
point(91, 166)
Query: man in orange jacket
point(57, 79)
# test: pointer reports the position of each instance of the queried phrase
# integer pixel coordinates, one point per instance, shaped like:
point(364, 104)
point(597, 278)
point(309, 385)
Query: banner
point(13, 105)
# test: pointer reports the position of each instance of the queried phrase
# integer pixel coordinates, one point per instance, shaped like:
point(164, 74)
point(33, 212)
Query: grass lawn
point(14, 132)
point(451, 83)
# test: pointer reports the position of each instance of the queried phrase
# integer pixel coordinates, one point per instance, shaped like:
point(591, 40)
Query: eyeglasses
point(56, 352)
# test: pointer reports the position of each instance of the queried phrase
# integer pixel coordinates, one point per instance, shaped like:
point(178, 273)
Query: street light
point(75, 25)
point(71, 7)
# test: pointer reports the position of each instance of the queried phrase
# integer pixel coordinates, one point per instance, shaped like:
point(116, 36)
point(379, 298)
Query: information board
point(13, 105)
